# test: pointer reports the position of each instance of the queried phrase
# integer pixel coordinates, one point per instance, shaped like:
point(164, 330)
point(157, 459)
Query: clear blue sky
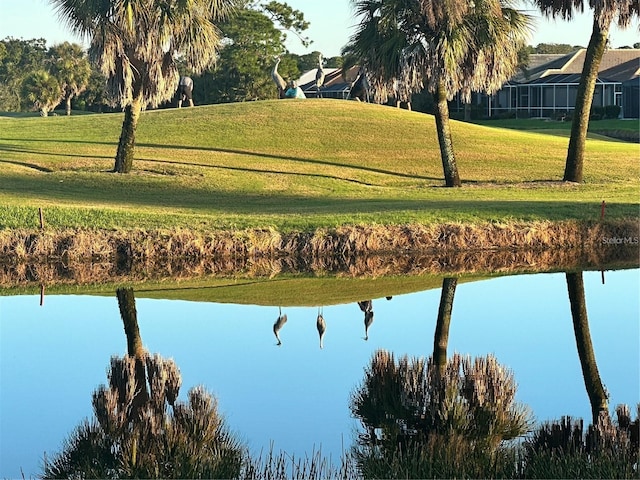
point(331, 24)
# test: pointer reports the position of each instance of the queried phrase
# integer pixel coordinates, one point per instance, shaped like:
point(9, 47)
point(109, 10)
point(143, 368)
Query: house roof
point(334, 80)
point(616, 65)
point(565, 79)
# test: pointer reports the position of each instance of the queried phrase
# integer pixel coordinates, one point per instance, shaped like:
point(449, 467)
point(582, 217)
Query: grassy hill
point(297, 165)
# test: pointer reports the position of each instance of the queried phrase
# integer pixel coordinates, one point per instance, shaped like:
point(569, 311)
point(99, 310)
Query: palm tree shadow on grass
point(140, 429)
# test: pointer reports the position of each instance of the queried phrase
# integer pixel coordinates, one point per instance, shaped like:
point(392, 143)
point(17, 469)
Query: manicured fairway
point(297, 165)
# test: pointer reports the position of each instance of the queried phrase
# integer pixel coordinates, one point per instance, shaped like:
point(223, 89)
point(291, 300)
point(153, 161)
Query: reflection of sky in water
point(53, 357)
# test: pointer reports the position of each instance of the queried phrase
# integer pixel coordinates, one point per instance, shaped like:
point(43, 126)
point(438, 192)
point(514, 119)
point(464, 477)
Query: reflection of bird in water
point(280, 321)
point(367, 307)
point(278, 80)
point(319, 76)
point(321, 325)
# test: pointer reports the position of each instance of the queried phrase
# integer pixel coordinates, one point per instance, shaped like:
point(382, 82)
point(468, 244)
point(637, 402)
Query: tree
point(604, 13)
point(20, 59)
point(252, 45)
point(96, 97)
point(44, 90)
point(444, 46)
point(137, 45)
point(71, 67)
point(557, 48)
point(253, 40)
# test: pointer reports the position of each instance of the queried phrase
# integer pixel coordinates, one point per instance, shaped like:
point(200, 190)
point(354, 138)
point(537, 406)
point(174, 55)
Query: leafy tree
point(253, 38)
point(137, 44)
point(444, 46)
point(286, 19)
point(547, 48)
point(71, 67)
point(44, 90)
point(252, 45)
point(604, 13)
point(19, 59)
point(96, 97)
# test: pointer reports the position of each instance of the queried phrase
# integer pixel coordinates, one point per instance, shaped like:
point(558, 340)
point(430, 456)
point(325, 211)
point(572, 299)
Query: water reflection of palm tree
point(592, 381)
point(321, 325)
point(366, 306)
point(133, 434)
point(428, 424)
point(280, 321)
point(441, 336)
point(558, 449)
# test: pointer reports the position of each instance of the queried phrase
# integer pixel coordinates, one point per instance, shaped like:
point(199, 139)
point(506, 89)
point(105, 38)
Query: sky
point(331, 21)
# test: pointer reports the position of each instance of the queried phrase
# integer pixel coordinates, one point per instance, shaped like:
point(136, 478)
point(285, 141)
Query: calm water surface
point(296, 396)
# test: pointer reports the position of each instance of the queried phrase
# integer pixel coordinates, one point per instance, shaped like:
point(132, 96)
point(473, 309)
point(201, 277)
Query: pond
point(294, 396)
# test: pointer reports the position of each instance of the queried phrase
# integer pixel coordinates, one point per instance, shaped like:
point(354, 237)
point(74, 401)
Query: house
point(547, 89)
point(337, 84)
point(549, 86)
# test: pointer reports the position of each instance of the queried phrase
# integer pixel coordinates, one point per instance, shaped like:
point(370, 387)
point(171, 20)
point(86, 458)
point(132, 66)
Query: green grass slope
point(297, 165)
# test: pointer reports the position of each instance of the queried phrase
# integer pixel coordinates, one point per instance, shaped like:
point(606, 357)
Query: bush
point(601, 113)
point(612, 111)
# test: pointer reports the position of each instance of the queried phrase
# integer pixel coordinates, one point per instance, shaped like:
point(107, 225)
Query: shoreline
point(135, 245)
point(96, 256)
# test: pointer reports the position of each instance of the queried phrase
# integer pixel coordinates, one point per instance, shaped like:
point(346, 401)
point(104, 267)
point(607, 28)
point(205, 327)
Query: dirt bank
point(33, 246)
point(88, 256)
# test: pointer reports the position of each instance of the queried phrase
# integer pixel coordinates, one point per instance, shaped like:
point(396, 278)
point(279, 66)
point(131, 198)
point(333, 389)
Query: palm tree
point(72, 69)
point(604, 13)
point(44, 90)
point(447, 47)
point(137, 43)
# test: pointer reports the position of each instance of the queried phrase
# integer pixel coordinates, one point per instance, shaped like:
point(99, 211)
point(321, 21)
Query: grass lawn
point(618, 128)
point(297, 165)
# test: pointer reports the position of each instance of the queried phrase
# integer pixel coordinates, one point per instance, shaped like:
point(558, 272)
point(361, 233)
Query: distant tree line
point(36, 77)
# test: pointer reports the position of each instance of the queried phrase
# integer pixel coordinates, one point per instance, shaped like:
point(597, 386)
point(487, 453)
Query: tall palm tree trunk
point(584, 99)
point(592, 382)
point(443, 128)
point(441, 336)
point(67, 103)
point(126, 145)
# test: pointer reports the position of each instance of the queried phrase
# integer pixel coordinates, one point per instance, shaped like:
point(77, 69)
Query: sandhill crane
point(360, 87)
point(280, 321)
point(402, 94)
point(321, 325)
point(278, 80)
point(319, 76)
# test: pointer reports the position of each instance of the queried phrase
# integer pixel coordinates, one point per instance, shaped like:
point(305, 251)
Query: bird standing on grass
point(278, 80)
point(319, 76)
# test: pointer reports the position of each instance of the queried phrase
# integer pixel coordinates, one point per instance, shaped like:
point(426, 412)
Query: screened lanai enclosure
point(552, 96)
